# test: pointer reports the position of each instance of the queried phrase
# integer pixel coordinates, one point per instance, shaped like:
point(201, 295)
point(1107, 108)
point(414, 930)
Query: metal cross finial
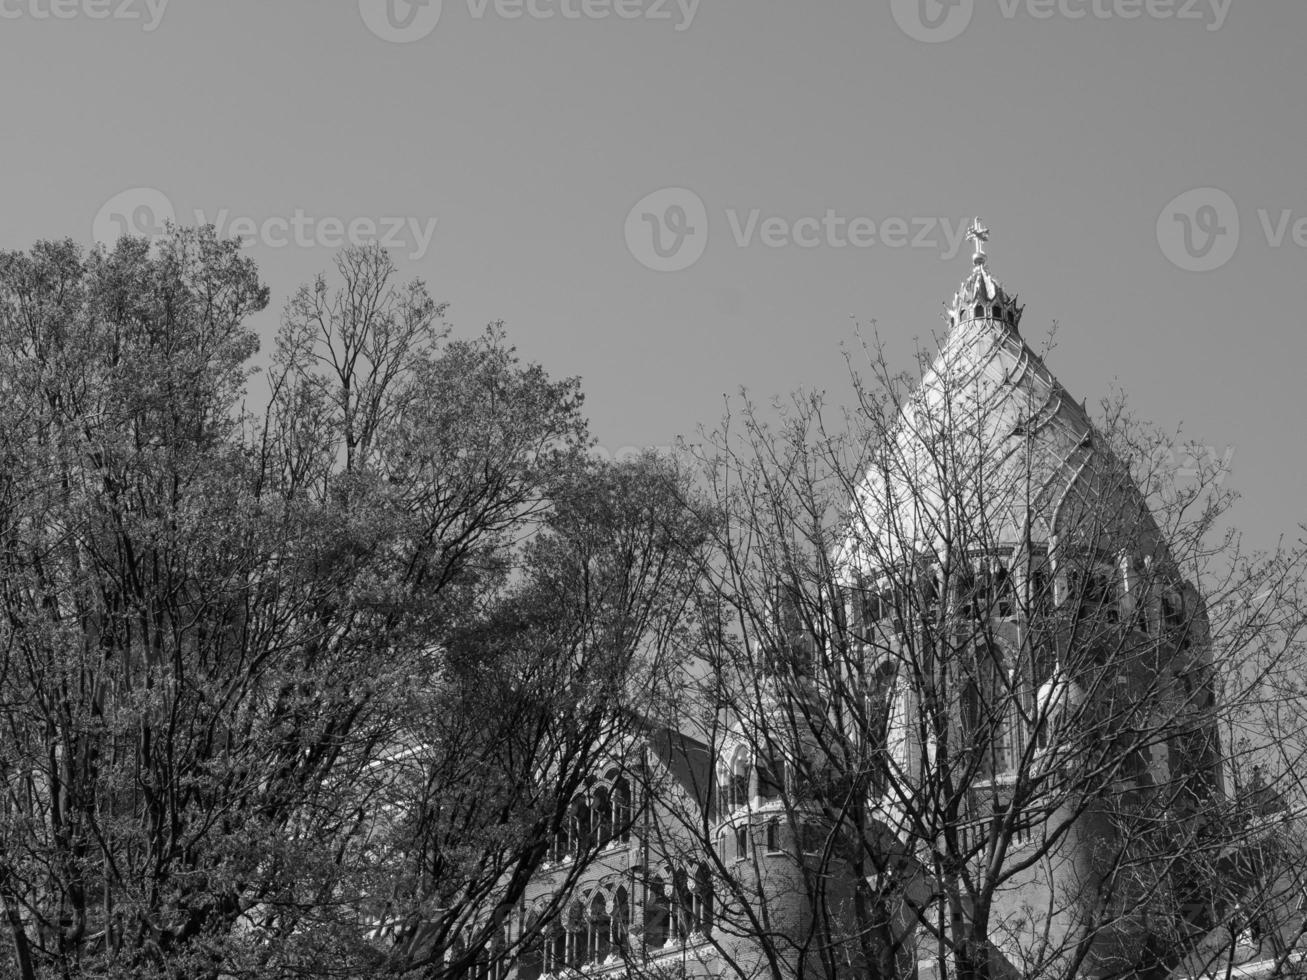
point(979, 234)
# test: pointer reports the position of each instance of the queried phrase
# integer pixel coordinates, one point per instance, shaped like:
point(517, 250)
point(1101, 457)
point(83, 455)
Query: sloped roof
point(991, 450)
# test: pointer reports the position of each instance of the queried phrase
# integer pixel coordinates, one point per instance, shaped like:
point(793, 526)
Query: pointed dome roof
point(991, 451)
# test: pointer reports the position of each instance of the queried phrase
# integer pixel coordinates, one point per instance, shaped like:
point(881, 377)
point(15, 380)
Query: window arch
point(990, 710)
point(682, 902)
point(623, 814)
point(600, 943)
point(601, 816)
point(576, 935)
point(656, 914)
point(531, 961)
point(734, 782)
point(619, 920)
point(702, 908)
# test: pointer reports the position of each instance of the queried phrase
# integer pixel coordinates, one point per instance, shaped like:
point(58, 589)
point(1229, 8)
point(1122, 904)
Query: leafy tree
point(296, 694)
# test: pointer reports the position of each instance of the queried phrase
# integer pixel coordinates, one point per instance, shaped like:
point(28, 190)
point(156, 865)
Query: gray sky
point(872, 129)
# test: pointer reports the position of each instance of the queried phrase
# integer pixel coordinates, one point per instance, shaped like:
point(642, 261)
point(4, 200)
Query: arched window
point(989, 710)
point(530, 962)
point(655, 914)
point(682, 906)
point(580, 826)
point(980, 311)
point(556, 950)
point(736, 788)
point(773, 835)
point(741, 842)
point(622, 812)
point(601, 818)
point(577, 935)
point(563, 842)
point(703, 901)
point(601, 931)
point(1001, 590)
point(619, 921)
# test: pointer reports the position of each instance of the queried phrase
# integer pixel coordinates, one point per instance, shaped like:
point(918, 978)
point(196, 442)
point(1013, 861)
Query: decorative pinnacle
point(979, 234)
point(981, 296)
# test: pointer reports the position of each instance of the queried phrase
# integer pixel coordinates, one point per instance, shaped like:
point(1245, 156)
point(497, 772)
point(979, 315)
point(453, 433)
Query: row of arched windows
point(739, 780)
point(735, 843)
point(1008, 314)
point(600, 817)
point(1093, 587)
point(679, 907)
point(597, 928)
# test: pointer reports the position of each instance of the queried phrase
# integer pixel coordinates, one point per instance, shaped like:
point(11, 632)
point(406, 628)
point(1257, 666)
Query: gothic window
point(530, 962)
point(601, 937)
point(980, 311)
point(563, 842)
point(702, 909)
point(682, 906)
point(738, 780)
point(622, 813)
point(655, 914)
point(741, 842)
point(556, 951)
point(580, 826)
point(602, 817)
point(619, 921)
point(989, 710)
point(927, 592)
point(1000, 591)
point(1091, 591)
point(576, 935)
point(771, 779)
point(965, 587)
point(773, 835)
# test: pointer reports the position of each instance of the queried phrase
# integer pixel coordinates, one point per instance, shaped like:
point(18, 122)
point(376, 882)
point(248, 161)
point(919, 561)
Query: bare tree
point(973, 660)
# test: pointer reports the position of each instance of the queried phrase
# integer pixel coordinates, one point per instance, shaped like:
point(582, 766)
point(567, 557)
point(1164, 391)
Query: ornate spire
point(981, 296)
point(978, 234)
